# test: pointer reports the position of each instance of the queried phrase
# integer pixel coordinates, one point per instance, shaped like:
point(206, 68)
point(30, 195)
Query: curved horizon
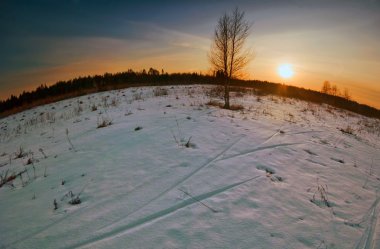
point(45, 42)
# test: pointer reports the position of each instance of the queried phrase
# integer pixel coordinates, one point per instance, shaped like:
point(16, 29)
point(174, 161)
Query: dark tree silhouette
point(89, 84)
point(153, 71)
point(227, 51)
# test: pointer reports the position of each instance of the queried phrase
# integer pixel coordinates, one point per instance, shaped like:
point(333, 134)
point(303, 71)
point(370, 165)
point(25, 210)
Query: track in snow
point(152, 217)
point(367, 241)
point(257, 149)
point(181, 180)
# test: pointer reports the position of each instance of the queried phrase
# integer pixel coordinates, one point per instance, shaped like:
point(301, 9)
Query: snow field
point(248, 179)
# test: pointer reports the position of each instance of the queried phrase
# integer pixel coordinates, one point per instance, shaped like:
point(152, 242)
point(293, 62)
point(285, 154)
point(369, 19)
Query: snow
point(246, 179)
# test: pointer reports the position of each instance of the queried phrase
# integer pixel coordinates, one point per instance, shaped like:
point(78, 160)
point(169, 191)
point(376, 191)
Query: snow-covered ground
point(174, 172)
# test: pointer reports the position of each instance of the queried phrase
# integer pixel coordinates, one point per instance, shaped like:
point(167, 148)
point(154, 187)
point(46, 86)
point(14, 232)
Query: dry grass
point(233, 107)
point(94, 108)
point(214, 103)
point(236, 107)
point(216, 92)
point(159, 91)
point(103, 122)
point(47, 100)
point(348, 130)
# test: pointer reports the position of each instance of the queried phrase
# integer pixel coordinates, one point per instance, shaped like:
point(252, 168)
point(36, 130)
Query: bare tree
point(227, 55)
point(335, 90)
point(346, 94)
point(326, 87)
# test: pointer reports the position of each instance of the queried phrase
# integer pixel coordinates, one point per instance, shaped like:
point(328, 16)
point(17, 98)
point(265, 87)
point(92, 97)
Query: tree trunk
point(226, 94)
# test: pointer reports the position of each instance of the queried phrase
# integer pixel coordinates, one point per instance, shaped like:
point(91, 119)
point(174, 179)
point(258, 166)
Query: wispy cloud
point(45, 41)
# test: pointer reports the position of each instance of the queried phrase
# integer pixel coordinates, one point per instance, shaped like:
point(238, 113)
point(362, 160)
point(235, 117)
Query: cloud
point(45, 41)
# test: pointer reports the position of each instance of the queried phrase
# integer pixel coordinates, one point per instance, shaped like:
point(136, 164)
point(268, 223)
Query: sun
point(285, 71)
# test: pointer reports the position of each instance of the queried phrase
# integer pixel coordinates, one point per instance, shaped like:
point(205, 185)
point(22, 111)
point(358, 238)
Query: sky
point(47, 41)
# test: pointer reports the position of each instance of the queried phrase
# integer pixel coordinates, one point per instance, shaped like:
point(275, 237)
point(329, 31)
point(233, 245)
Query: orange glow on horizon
point(260, 69)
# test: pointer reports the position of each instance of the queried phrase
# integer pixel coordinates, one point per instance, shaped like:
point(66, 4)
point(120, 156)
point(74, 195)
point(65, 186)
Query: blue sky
point(46, 41)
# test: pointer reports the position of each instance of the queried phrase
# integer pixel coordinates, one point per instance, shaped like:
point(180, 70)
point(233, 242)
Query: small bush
point(137, 96)
point(347, 130)
point(239, 94)
point(20, 153)
point(105, 102)
point(74, 199)
point(158, 91)
point(273, 99)
point(214, 103)
point(29, 161)
point(216, 92)
point(236, 107)
point(77, 110)
point(104, 122)
point(115, 102)
point(94, 108)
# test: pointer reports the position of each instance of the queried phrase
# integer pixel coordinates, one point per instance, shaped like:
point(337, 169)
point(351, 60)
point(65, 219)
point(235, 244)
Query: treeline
point(89, 84)
point(84, 85)
point(331, 89)
point(312, 96)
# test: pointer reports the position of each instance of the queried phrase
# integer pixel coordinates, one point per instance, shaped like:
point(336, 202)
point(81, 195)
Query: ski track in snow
point(152, 217)
point(182, 180)
point(367, 241)
point(85, 209)
point(244, 153)
point(73, 213)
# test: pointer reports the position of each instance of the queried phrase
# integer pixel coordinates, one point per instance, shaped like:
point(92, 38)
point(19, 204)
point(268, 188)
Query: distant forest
point(90, 84)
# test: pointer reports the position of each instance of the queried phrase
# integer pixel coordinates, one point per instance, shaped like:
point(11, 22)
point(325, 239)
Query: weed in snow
point(158, 91)
point(69, 141)
point(179, 140)
point(42, 152)
point(320, 196)
point(103, 122)
point(55, 204)
point(20, 153)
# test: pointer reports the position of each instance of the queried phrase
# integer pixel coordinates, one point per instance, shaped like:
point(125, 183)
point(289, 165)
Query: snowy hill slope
point(173, 172)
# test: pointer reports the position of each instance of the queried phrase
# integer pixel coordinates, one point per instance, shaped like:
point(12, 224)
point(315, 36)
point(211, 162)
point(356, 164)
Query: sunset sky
point(46, 41)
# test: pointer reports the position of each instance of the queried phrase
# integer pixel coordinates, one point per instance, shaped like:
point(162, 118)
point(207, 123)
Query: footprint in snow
point(310, 152)
point(267, 169)
point(270, 173)
point(337, 160)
